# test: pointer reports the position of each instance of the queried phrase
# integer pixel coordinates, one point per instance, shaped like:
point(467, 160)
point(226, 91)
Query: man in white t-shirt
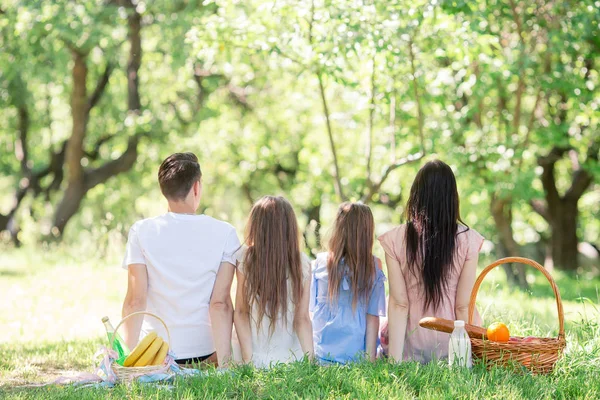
point(180, 267)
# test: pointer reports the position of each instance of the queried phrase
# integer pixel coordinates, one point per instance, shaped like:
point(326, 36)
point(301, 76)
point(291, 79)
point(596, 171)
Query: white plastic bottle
point(459, 347)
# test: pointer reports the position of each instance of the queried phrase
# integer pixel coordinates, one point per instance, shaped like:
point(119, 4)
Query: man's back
point(182, 253)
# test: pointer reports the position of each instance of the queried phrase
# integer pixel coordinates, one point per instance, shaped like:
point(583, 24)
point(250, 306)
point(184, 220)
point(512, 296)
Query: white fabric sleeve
point(232, 245)
point(133, 252)
point(306, 267)
point(239, 257)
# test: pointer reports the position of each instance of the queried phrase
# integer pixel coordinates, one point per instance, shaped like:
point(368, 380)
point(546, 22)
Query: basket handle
point(521, 260)
point(141, 313)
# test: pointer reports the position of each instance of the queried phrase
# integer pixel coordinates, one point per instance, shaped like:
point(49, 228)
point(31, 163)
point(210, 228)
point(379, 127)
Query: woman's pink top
point(422, 344)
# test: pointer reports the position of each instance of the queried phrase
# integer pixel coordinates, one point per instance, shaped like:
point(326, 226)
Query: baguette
point(446, 325)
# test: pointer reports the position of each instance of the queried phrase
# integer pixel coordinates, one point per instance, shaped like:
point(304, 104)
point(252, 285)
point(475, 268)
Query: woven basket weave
point(129, 373)
point(538, 357)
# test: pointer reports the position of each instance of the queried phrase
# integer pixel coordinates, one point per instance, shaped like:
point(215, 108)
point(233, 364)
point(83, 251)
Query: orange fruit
point(498, 332)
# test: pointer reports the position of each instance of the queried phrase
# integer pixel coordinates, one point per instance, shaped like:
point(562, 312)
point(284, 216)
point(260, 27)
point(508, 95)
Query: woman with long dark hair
point(272, 321)
point(431, 262)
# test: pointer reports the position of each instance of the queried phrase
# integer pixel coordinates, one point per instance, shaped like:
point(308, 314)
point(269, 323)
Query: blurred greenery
point(320, 101)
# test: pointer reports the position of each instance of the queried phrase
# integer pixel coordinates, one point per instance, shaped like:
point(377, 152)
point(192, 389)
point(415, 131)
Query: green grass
point(53, 302)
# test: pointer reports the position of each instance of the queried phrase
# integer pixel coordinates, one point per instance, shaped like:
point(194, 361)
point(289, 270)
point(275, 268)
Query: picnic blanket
point(104, 376)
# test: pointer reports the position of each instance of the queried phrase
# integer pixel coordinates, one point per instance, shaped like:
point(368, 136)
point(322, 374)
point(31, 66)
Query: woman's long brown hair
point(273, 257)
point(352, 240)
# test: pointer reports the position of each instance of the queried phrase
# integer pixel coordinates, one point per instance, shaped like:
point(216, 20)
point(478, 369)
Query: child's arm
point(302, 322)
point(221, 313)
point(375, 308)
point(372, 333)
point(241, 319)
point(397, 308)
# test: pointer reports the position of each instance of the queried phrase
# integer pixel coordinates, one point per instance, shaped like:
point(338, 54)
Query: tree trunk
point(68, 207)
point(79, 114)
point(75, 191)
point(80, 180)
point(501, 210)
point(561, 212)
point(32, 184)
point(134, 62)
point(564, 235)
point(30, 180)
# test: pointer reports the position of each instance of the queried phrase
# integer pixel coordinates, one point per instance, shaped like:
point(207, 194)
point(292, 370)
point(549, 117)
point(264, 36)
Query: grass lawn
point(52, 303)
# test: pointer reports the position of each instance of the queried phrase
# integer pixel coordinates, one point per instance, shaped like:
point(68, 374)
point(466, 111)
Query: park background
point(319, 101)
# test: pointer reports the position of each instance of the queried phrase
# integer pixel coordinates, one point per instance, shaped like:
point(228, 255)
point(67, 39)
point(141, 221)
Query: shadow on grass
point(22, 363)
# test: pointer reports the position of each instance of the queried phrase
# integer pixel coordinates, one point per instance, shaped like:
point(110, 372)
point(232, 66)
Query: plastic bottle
point(118, 344)
point(459, 347)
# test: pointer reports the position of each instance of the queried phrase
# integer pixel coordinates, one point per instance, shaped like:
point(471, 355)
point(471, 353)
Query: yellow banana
point(147, 357)
point(139, 349)
point(162, 353)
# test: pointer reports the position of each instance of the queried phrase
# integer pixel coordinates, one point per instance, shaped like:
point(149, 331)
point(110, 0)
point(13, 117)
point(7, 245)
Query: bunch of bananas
point(151, 350)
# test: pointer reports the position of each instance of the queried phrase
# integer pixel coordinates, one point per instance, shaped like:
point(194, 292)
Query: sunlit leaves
point(237, 82)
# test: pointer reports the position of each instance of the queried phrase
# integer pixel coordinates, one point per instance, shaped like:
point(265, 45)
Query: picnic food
point(498, 332)
point(140, 349)
point(538, 356)
point(148, 356)
point(162, 353)
point(531, 339)
point(445, 325)
point(145, 354)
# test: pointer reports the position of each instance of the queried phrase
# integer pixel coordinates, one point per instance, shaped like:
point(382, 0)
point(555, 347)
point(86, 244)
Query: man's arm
point(221, 312)
point(135, 300)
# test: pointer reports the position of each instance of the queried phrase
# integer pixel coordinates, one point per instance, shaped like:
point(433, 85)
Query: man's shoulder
point(148, 221)
point(226, 226)
point(138, 224)
point(202, 222)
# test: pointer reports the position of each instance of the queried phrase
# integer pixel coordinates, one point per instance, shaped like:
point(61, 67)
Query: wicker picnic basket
point(128, 373)
point(539, 356)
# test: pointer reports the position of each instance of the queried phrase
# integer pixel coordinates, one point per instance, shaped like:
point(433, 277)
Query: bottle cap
point(104, 319)
point(459, 323)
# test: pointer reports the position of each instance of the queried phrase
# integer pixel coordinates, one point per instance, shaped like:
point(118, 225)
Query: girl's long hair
point(352, 241)
point(273, 257)
point(432, 214)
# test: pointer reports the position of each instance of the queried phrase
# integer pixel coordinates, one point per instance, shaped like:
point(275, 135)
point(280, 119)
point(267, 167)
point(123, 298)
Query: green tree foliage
point(322, 101)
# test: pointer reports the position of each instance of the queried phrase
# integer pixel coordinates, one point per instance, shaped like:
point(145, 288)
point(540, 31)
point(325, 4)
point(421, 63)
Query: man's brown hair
point(177, 174)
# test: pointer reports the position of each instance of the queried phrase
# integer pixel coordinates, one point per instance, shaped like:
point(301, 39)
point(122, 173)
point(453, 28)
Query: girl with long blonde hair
point(271, 315)
point(348, 293)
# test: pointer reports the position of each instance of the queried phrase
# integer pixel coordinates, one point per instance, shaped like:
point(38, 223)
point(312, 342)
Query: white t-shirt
point(281, 347)
point(182, 254)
